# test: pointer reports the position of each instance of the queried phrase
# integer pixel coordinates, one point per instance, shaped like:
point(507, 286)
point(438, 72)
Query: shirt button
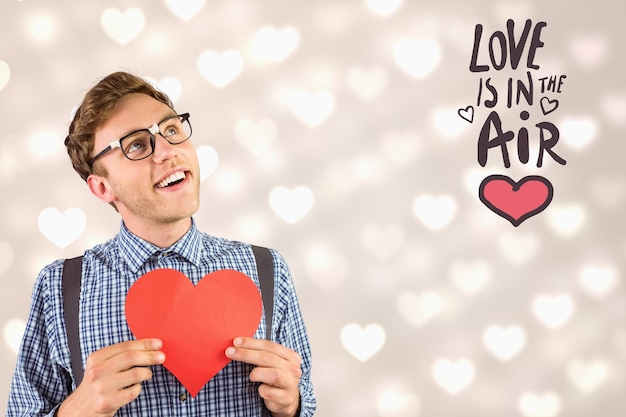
point(183, 397)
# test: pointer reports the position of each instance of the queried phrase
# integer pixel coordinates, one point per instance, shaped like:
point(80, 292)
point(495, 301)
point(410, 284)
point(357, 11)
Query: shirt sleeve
point(291, 332)
point(40, 382)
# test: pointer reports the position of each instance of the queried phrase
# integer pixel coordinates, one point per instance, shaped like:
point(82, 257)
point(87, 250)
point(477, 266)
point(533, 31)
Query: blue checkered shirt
point(43, 376)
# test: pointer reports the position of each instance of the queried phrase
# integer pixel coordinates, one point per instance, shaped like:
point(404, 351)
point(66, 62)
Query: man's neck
point(161, 235)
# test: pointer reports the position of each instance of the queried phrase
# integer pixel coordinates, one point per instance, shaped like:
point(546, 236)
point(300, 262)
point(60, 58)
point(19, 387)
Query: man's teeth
point(177, 176)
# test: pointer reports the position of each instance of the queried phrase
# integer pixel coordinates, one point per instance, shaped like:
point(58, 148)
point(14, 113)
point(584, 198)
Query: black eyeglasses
point(140, 144)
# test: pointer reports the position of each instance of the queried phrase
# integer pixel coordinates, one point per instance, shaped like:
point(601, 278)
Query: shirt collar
point(136, 250)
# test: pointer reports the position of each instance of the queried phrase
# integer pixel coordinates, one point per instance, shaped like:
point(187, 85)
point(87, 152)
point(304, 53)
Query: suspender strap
point(265, 269)
point(72, 273)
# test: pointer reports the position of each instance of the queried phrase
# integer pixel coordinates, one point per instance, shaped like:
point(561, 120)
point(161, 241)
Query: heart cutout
point(195, 323)
point(515, 201)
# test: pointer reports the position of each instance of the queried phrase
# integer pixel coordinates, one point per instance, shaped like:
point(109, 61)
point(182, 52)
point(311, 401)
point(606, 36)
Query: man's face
point(139, 189)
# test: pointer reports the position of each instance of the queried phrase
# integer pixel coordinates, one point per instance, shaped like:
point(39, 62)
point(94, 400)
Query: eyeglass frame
point(152, 130)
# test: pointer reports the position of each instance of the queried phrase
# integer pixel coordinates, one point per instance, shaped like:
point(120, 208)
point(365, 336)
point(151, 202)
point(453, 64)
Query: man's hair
point(96, 108)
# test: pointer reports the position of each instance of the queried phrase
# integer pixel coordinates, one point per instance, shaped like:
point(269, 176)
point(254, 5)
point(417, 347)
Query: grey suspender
point(72, 274)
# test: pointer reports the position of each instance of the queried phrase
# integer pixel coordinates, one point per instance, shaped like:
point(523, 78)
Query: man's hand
point(113, 377)
point(277, 369)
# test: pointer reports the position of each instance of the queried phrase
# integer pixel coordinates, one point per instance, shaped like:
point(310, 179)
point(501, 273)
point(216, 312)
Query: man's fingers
point(250, 350)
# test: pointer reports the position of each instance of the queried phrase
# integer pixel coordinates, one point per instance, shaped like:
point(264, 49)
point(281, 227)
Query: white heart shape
point(170, 86)
point(312, 108)
point(275, 45)
point(470, 278)
point(553, 311)
point(398, 403)
point(5, 74)
point(588, 376)
point(417, 57)
point(453, 376)
point(255, 136)
point(566, 220)
point(367, 84)
point(578, 132)
point(435, 212)
point(291, 205)
point(504, 342)
point(363, 343)
point(122, 27)
point(185, 9)
point(220, 69)
point(534, 405)
point(62, 228)
point(418, 309)
point(13, 332)
point(208, 159)
point(448, 123)
point(384, 8)
point(599, 280)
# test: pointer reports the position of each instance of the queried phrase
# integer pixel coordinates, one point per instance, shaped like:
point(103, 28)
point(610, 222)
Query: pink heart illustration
point(515, 201)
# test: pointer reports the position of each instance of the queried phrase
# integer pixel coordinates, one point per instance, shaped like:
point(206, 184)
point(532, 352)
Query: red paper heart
point(195, 323)
point(515, 201)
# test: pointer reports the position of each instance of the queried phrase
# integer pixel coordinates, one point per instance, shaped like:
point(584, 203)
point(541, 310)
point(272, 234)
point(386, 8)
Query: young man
point(131, 147)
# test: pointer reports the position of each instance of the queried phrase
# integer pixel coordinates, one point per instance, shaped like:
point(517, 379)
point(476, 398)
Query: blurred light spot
point(5, 74)
point(418, 310)
point(614, 107)
point(41, 28)
point(384, 8)
point(168, 85)
point(589, 51)
point(448, 123)
point(185, 10)
point(519, 247)
point(434, 212)
point(588, 376)
point(367, 84)
point(453, 376)
point(312, 108)
point(251, 229)
point(578, 133)
point(598, 280)
point(326, 267)
point(553, 311)
point(382, 242)
point(504, 342)
point(417, 57)
point(13, 333)
point(363, 342)
point(6, 257)
point(220, 69)
point(400, 147)
point(228, 180)
point(291, 205)
point(368, 168)
point(122, 27)
point(44, 145)
point(566, 220)
point(531, 404)
point(398, 403)
point(255, 136)
point(208, 160)
point(470, 278)
point(275, 45)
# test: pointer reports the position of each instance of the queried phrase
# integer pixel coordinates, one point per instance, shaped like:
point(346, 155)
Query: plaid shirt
point(43, 376)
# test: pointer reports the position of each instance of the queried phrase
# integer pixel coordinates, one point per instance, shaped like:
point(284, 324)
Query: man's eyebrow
point(171, 113)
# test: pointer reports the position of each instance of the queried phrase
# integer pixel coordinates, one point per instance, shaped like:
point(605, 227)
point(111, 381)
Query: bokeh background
point(329, 130)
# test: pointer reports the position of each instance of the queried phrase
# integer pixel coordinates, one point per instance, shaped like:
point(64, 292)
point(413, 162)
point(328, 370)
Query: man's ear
point(99, 186)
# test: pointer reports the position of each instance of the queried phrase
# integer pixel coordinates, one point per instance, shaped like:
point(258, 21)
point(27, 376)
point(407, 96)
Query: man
point(132, 149)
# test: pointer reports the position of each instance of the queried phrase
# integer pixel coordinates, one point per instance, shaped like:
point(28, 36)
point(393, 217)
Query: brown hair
point(94, 111)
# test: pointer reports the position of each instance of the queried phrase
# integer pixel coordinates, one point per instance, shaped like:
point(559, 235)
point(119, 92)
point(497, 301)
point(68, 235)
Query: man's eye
point(171, 131)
